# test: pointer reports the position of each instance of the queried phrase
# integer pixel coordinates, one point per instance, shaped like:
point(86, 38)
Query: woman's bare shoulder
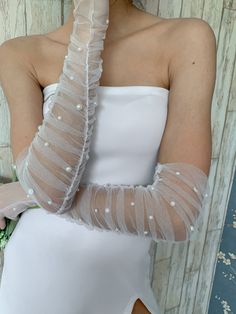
point(179, 34)
point(175, 27)
point(19, 49)
point(174, 33)
point(188, 25)
point(37, 53)
point(181, 30)
point(23, 47)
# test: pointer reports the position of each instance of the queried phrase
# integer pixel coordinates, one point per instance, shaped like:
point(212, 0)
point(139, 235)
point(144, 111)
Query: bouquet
point(6, 233)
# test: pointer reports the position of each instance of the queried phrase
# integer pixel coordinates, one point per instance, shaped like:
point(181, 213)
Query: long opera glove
point(13, 200)
point(51, 167)
point(170, 209)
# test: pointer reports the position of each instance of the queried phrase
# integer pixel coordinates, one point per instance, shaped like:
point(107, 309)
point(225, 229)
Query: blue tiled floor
point(223, 298)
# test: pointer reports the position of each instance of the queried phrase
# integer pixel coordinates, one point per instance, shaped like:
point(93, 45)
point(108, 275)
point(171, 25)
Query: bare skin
point(147, 52)
point(124, 49)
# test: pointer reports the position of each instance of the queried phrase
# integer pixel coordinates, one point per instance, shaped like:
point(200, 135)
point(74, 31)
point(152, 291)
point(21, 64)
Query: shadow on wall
point(223, 297)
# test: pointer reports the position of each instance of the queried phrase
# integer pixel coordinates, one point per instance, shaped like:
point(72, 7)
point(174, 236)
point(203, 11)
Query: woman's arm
point(49, 165)
point(172, 207)
point(22, 90)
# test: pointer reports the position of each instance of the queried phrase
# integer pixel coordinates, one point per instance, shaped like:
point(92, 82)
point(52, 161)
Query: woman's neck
point(120, 13)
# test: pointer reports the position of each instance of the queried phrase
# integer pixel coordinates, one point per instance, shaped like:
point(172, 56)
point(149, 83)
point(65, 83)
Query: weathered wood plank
point(163, 251)
point(151, 6)
point(230, 4)
point(160, 282)
point(176, 275)
point(12, 19)
point(224, 177)
point(192, 8)
point(232, 96)
point(170, 9)
point(225, 68)
point(5, 151)
point(212, 13)
point(173, 311)
point(67, 7)
point(188, 292)
point(42, 16)
point(207, 272)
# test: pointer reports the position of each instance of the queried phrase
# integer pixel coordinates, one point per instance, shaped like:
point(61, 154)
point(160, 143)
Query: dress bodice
point(130, 122)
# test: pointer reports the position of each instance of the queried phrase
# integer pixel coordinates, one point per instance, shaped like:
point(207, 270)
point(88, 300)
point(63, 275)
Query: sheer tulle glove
point(13, 201)
point(50, 169)
point(169, 209)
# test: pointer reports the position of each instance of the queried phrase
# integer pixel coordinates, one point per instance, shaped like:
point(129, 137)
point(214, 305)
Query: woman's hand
point(13, 201)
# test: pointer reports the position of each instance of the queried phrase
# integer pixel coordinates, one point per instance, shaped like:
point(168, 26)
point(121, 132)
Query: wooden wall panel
point(67, 7)
point(168, 9)
point(42, 16)
point(192, 8)
point(181, 274)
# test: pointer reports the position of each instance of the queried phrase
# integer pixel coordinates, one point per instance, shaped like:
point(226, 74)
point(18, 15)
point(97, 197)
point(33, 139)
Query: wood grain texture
point(168, 10)
point(225, 69)
point(66, 7)
point(181, 274)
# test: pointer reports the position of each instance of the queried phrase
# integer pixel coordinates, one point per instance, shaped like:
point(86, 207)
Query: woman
point(105, 272)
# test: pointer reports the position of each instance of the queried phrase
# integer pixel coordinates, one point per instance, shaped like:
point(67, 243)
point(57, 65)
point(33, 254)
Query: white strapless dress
point(53, 266)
